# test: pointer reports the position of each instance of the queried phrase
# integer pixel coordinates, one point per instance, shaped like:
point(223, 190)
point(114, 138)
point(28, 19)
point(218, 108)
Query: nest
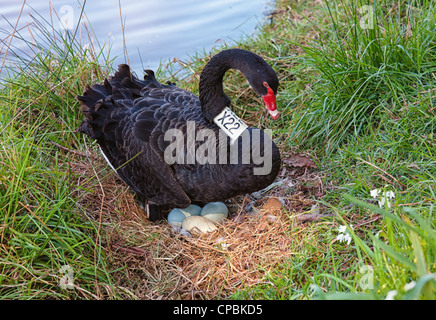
point(236, 255)
point(156, 262)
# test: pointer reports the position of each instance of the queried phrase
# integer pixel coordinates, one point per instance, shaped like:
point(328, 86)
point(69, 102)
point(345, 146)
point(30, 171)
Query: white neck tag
point(230, 123)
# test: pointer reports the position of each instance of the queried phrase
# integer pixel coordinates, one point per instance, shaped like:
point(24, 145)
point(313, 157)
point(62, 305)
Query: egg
point(198, 224)
point(215, 211)
point(193, 210)
point(176, 216)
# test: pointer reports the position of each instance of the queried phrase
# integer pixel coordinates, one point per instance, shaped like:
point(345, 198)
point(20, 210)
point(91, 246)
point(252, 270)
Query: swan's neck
point(211, 93)
point(213, 100)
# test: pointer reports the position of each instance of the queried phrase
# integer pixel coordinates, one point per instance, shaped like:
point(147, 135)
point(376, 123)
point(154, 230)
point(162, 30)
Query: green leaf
point(395, 255)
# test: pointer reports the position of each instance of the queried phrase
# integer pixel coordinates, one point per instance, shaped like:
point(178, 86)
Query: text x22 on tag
point(230, 123)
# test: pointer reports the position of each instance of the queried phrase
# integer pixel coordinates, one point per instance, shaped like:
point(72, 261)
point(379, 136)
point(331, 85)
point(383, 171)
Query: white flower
point(389, 194)
point(381, 202)
point(384, 197)
point(342, 229)
point(391, 295)
point(409, 286)
point(344, 237)
point(340, 237)
point(347, 238)
point(374, 193)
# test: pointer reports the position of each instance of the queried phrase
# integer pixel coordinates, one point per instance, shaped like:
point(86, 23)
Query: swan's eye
point(270, 91)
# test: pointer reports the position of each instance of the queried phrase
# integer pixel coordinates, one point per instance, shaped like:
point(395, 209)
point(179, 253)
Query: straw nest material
point(155, 262)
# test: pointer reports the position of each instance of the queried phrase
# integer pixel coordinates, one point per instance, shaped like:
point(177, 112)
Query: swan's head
point(270, 101)
point(265, 82)
point(258, 72)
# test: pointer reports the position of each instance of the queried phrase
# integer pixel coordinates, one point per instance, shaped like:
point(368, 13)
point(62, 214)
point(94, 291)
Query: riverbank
point(352, 214)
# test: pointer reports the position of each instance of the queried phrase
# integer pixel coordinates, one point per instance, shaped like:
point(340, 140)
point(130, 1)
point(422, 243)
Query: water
point(155, 30)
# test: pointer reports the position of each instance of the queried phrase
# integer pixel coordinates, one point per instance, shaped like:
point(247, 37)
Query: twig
point(132, 250)
point(377, 217)
point(391, 176)
point(69, 150)
point(312, 217)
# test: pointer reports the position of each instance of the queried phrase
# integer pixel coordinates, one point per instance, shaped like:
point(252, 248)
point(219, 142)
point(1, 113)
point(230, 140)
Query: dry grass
point(152, 261)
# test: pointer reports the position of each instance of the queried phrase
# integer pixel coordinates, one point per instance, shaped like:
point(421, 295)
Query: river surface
point(155, 31)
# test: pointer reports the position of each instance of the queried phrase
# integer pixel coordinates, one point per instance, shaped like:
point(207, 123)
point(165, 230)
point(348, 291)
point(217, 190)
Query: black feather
point(129, 118)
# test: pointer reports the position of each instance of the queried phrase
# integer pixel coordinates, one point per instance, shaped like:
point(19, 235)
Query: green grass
point(367, 72)
point(42, 229)
point(368, 113)
point(362, 101)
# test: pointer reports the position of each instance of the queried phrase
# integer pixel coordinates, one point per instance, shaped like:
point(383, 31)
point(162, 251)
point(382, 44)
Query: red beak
point(270, 102)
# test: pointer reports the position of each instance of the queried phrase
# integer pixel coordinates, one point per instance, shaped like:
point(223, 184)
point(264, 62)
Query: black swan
point(131, 119)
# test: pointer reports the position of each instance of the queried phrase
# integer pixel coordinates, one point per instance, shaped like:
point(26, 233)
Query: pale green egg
point(193, 210)
point(176, 216)
point(215, 211)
